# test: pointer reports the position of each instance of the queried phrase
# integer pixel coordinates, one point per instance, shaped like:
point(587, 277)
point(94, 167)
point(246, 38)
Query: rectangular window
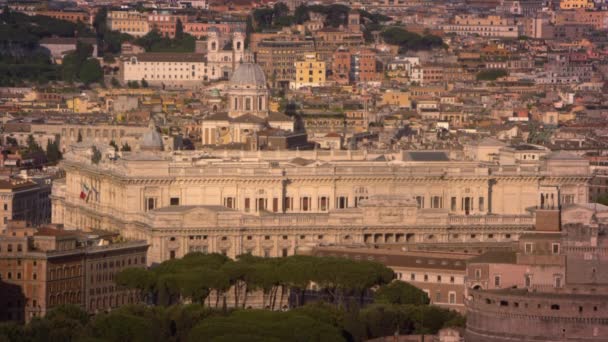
point(275, 205)
point(229, 202)
point(288, 205)
point(413, 276)
point(497, 281)
point(528, 280)
point(150, 203)
point(452, 297)
point(436, 202)
point(426, 277)
point(452, 279)
point(247, 205)
point(478, 274)
point(437, 297)
point(420, 201)
point(555, 248)
point(305, 203)
point(529, 247)
point(557, 282)
point(342, 202)
point(439, 279)
point(174, 201)
point(284, 252)
point(453, 204)
point(481, 205)
point(323, 203)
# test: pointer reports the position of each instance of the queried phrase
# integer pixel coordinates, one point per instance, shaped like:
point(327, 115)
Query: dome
point(248, 74)
point(151, 140)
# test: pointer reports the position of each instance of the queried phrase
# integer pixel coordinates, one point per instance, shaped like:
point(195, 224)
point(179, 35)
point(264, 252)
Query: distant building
point(59, 47)
point(25, 200)
point(440, 275)
point(130, 22)
point(41, 268)
point(310, 72)
point(552, 287)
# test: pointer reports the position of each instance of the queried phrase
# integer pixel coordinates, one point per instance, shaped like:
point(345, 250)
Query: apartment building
point(165, 23)
point(174, 70)
point(489, 26)
point(41, 268)
point(130, 22)
point(310, 72)
point(26, 200)
point(278, 59)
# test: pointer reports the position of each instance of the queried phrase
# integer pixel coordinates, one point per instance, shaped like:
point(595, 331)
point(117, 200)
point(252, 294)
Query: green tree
point(32, 145)
point(91, 71)
point(53, 154)
point(144, 83)
point(113, 144)
point(125, 147)
point(491, 74)
point(399, 292)
point(603, 199)
point(301, 14)
point(179, 29)
point(96, 155)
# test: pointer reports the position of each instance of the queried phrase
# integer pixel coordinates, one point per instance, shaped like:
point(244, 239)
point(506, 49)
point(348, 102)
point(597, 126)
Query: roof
point(248, 74)
point(427, 156)
point(560, 155)
point(276, 116)
point(495, 257)
point(426, 260)
point(248, 118)
point(46, 231)
point(16, 184)
point(186, 208)
point(170, 57)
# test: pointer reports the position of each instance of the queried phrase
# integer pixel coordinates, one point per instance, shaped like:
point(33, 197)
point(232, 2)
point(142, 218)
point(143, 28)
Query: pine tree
point(126, 147)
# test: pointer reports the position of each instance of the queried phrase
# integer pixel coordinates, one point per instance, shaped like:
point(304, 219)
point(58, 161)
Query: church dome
point(152, 140)
point(248, 74)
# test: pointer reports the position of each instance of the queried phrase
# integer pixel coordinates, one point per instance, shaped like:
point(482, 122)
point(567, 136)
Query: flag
point(96, 193)
point(84, 191)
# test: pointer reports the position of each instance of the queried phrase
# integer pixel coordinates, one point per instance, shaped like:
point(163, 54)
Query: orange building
point(44, 267)
point(166, 23)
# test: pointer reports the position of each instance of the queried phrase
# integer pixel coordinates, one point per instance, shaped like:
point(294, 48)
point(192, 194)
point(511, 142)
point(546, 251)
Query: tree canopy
point(206, 278)
point(491, 74)
point(410, 40)
point(399, 292)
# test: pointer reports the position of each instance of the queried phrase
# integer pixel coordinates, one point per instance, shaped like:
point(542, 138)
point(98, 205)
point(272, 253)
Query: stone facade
point(270, 203)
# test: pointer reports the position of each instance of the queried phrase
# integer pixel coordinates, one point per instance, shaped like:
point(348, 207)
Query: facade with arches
point(273, 202)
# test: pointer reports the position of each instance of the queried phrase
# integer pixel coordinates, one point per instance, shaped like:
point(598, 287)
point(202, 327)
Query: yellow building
point(573, 4)
point(131, 22)
point(399, 99)
point(310, 72)
point(81, 105)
